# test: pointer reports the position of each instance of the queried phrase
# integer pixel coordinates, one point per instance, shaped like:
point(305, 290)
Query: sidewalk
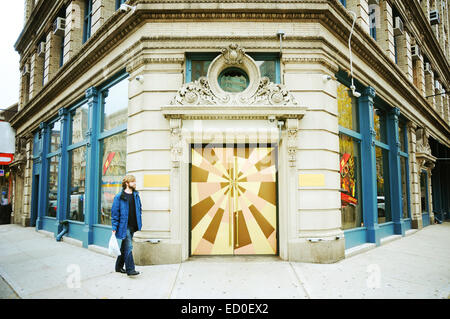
point(415, 266)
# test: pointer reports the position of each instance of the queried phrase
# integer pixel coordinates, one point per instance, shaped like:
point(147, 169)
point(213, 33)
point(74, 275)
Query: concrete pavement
point(416, 266)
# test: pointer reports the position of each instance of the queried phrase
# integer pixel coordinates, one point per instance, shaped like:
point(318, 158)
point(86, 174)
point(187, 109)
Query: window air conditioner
point(58, 26)
point(41, 49)
point(415, 52)
point(26, 69)
point(434, 17)
point(398, 26)
point(437, 85)
point(428, 68)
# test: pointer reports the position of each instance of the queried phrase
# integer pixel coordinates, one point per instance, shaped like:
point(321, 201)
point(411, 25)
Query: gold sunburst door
point(233, 200)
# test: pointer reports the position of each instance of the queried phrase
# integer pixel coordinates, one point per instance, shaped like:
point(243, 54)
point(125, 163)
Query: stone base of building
point(322, 252)
point(146, 253)
point(416, 224)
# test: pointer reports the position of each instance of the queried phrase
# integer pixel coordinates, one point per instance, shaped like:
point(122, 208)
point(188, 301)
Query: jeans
point(126, 253)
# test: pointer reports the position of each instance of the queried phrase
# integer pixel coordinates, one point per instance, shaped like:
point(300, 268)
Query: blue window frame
point(87, 20)
point(372, 23)
point(72, 164)
point(197, 65)
point(344, 2)
point(404, 170)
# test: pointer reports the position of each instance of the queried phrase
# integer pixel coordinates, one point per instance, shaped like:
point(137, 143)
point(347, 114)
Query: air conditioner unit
point(26, 69)
point(41, 49)
point(437, 85)
point(434, 17)
point(415, 52)
point(398, 26)
point(428, 68)
point(58, 26)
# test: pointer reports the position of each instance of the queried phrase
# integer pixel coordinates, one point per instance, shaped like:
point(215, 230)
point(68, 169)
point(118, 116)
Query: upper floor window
point(197, 65)
point(87, 20)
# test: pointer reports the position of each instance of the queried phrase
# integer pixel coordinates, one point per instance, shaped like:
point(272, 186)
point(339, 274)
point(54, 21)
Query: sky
point(11, 24)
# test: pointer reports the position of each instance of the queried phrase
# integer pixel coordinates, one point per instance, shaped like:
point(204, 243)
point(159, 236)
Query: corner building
point(239, 121)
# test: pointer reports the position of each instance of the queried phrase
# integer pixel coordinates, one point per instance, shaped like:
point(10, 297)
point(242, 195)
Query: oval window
point(233, 80)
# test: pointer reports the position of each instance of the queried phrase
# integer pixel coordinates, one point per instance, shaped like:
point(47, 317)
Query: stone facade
point(152, 42)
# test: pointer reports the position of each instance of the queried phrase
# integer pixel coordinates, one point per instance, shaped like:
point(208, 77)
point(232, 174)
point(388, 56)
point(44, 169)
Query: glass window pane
point(383, 198)
point(233, 80)
point(351, 207)
point(379, 117)
point(77, 164)
point(199, 69)
point(115, 106)
point(79, 123)
point(52, 204)
point(55, 136)
point(404, 171)
point(113, 151)
point(424, 192)
point(347, 108)
point(268, 69)
point(401, 134)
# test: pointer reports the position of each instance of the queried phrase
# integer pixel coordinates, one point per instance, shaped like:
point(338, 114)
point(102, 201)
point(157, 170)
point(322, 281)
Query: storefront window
point(77, 165)
point(79, 124)
point(115, 106)
point(347, 108)
point(55, 136)
point(380, 124)
point(351, 206)
point(424, 192)
point(53, 170)
point(383, 192)
point(401, 135)
point(114, 152)
point(404, 172)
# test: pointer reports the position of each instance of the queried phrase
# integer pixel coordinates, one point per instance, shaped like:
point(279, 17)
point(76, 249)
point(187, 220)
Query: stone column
point(429, 88)
point(36, 74)
point(314, 226)
point(52, 55)
point(404, 60)
point(385, 30)
point(73, 36)
point(419, 75)
point(361, 8)
point(414, 179)
point(101, 11)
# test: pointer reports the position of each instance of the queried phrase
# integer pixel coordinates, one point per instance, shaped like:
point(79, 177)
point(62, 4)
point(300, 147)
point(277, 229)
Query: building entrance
point(233, 200)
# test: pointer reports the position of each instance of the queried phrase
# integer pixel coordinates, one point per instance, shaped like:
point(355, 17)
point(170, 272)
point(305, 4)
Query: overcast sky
point(11, 24)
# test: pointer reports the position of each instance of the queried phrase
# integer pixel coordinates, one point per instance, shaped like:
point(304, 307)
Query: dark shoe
point(123, 271)
point(133, 273)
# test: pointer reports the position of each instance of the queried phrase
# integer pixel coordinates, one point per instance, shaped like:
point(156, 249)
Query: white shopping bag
point(113, 247)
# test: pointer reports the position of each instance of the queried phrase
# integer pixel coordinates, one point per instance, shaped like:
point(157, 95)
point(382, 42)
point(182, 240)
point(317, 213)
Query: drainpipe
point(65, 230)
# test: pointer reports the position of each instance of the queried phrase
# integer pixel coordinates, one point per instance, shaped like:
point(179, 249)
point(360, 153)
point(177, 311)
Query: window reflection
point(347, 108)
point(79, 124)
point(351, 206)
point(424, 192)
point(383, 198)
point(77, 164)
point(403, 166)
point(53, 168)
point(55, 136)
point(113, 169)
point(379, 117)
point(115, 105)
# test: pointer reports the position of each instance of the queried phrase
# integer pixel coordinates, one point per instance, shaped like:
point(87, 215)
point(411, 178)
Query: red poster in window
point(108, 161)
point(348, 188)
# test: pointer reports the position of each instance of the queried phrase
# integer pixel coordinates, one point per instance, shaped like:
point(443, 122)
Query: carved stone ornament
point(423, 150)
point(206, 99)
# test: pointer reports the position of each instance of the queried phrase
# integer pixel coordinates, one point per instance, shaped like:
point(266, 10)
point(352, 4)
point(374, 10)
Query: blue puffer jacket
point(119, 214)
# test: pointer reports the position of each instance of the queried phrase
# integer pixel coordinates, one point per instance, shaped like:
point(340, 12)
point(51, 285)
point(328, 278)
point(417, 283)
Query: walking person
point(125, 220)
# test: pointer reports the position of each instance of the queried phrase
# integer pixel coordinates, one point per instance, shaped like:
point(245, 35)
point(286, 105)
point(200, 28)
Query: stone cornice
point(331, 14)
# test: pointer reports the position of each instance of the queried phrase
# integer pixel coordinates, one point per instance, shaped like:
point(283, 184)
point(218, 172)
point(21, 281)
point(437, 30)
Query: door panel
point(233, 201)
